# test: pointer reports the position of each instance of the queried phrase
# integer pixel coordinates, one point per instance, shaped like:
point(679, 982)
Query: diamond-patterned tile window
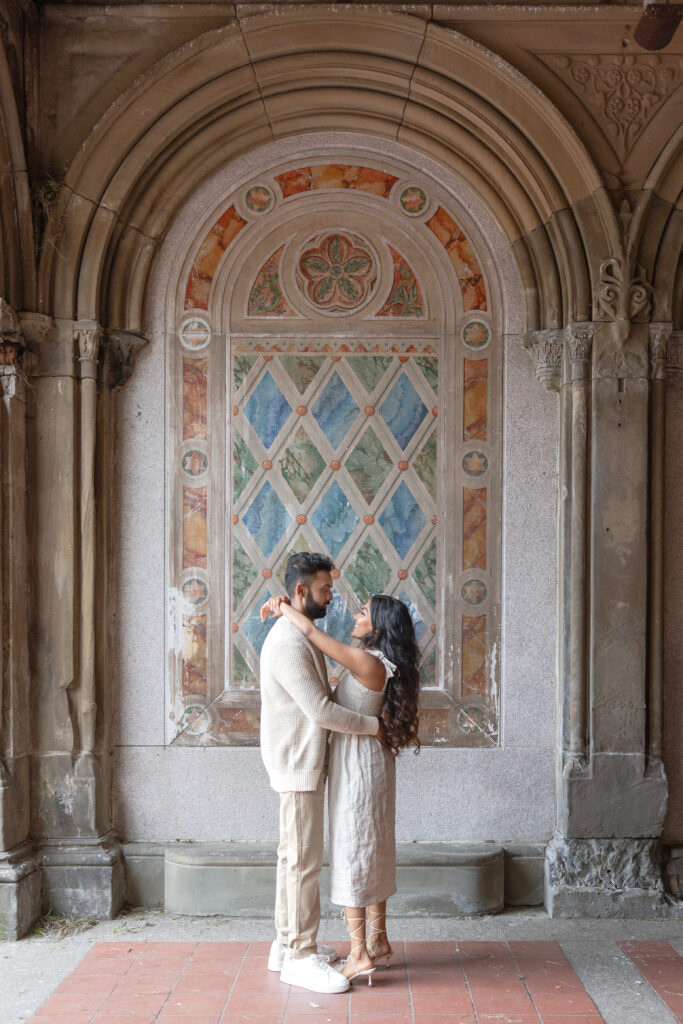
point(302, 370)
point(418, 621)
point(370, 369)
point(425, 574)
point(338, 621)
point(403, 410)
point(267, 410)
point(368, 465)
point(255, 630)
point(402, 519)
point(244, 465)
point(368, 573)
point(301, 464)
point(335, 519)
point(266, 519)
point(244, 573)
point(335, 410)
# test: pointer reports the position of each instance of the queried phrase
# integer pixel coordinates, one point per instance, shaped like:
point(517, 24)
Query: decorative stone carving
point(337, 272)
point(621, 296)
point(624, 90)
point(11, 349)
point(123, 349)
point(579, 347)
point(620, 346)
point(88, 336)
point(604, 863)
point(674, 365)
point(545, 349)
point(660, 335)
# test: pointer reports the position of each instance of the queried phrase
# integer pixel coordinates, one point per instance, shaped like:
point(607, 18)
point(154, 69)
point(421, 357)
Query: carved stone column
point(545, 349)
point(71, 791)
point(611, 789)
point(19, 866)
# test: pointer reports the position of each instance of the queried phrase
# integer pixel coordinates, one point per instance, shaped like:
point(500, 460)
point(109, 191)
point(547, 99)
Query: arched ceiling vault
point(389, 75)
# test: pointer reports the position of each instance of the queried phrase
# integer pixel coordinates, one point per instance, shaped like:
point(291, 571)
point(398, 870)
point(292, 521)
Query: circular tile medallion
point(195, 334)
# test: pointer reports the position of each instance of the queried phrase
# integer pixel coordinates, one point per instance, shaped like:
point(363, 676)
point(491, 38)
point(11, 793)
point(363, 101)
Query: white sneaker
point(313, 973)
point(278, 950)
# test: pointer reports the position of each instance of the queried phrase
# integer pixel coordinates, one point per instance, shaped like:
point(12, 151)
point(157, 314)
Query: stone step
point(238, 879)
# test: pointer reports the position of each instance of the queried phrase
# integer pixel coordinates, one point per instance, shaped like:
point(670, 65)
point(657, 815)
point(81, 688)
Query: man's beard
point(313, 609)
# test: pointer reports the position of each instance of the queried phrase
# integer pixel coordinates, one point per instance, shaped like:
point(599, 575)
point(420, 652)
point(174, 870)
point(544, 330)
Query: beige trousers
point(299, 859)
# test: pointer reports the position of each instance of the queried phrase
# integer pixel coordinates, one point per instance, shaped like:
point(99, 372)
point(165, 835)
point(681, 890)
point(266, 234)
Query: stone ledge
point(238, 879)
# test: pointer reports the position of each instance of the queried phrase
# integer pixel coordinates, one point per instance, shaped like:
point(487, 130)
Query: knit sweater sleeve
point(298, 675)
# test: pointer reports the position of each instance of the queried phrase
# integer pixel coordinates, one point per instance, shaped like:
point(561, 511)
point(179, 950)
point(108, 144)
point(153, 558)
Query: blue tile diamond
point(266, 519)
point(418, 621)
point(267, 410)
point(403, 410)
point(255, 630)
point(337, 623)
point(335, 519)
point(402, 520)
point(335, 410)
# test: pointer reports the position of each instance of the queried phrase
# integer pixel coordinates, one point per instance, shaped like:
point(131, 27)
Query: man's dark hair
point(302, 568)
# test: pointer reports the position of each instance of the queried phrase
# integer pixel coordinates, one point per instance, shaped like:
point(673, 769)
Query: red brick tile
point(565, 1002)
point(171, 948)
point(655, 948)
point(259, 949)
point(315, 1002)
point(221, 949)
point(64, 1018)
point(190, 1004)
point(430, 948)
point(116, 949)
point(105, 965)
point(258, 982)
point(477, 950)
point(375, 1000)
point(512, 1018)
point(204, 983)
point(252, 1018)
point(144, 981)
point(213, 965)
point(441, 1002)
point(381, 1018)
point(513, 1000)
point(124, 1018)
point(536, 949)
point(313, 1018)
point(163, 964)
point(572, 1019)
point(131, 1001)
point(269, 1002)
point(71, 1003)
point(449, 1018)
point(83, 984)
point(203, 1018)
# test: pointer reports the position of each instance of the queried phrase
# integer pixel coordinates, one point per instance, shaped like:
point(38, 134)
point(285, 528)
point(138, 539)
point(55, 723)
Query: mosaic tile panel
point(301, 464)
point(369, 465)
point(327, 176)
point(402, 519)
point(302, 370)
point(242, 675)
point(425, 464)
point(267, 410)
point(337, 272)
point(244, 465)
point(429, 366)
point(425, 574)
point(370, 369)
point(474, 502)
point(194, 527)
point(369, 572)
point(475, 400)
point(211, 252)
point(474, 655)
point(241, 365)
point(335, 410)
point(194, 655)
point(266, 519)
point(194, 398)
point(335, 519)
point(461, 254)
point(403, 410)
point(266, 297)
point(244, 572)
point(405, 297)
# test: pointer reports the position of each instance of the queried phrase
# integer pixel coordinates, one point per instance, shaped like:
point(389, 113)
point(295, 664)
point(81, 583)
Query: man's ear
point(300, 590)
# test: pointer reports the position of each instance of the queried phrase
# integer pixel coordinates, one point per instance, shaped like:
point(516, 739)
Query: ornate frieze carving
point(579, 346)
point(660, 335)
point(604, 863)
point(11, 349)
point(623, 90)
point(88, 336)
point(545, 349)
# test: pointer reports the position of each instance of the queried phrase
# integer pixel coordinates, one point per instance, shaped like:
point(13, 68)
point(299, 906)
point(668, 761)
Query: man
point(296, 714)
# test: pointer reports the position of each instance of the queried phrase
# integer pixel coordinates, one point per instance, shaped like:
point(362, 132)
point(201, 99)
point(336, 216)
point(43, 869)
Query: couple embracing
point(353, 734)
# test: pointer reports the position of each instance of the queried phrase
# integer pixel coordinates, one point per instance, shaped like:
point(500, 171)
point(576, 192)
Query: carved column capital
point(579, 347)
point(11, 350)
point(659, 336)
point(545, 349)
point(88, 337)
point(123, 349)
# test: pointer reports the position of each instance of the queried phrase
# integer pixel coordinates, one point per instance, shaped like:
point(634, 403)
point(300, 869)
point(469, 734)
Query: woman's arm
point(367, 669)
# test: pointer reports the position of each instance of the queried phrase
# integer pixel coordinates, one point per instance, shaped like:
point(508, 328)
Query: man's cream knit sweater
point(297, 710)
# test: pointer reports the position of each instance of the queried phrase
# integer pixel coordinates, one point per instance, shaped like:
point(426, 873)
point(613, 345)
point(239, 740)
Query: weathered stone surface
point(20, 890)
point(614, 795)
point(84, 879)
point(604, 863)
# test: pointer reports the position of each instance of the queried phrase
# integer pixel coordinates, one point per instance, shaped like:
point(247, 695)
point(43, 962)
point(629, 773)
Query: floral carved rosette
point(337, 273)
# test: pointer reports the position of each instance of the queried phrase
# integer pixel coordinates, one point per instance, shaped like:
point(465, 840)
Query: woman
point(383, 681)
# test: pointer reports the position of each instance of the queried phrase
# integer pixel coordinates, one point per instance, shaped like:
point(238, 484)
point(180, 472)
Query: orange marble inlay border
point(194, 398)
point(239, 719)
point(461, 254)
point(475, 400)
point(194, 655)
point(474, 655)
point(211, 251)
point(194, 527)
point(405, 297)
point(474, 502)
point(364, 179)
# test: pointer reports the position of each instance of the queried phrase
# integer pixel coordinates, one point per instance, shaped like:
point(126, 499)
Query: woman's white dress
point(362, 804)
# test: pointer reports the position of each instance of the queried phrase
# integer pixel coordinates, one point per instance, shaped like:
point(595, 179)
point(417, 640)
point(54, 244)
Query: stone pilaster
point(611, 788)
point(19, 867)
point(71, 784)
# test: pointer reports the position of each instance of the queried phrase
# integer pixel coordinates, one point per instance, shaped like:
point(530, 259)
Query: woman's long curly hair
point(393, 634)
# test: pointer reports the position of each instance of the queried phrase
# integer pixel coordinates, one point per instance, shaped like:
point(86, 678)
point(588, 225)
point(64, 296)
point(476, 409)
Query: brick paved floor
point(515, 982)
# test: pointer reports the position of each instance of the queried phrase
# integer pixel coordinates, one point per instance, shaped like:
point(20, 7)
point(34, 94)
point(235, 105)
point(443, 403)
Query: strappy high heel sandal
point(377, 957)
point(367, 972)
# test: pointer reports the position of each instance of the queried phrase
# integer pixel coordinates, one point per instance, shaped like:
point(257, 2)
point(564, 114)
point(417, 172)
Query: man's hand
point(272, 607)
point(381, 733)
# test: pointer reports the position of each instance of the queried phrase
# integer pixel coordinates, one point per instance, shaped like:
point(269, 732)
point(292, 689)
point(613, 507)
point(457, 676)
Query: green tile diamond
point(368, 573)
point(244, 573)
point(300, 544)
point(241, 673)
point(244, 465)
point(241, 365)
point(428, 668)
point(424, 574)
point(430, 368)
point(302, 370)
point(424, 464)
point(369, 369)
point(368, 465)
point(301, 464)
